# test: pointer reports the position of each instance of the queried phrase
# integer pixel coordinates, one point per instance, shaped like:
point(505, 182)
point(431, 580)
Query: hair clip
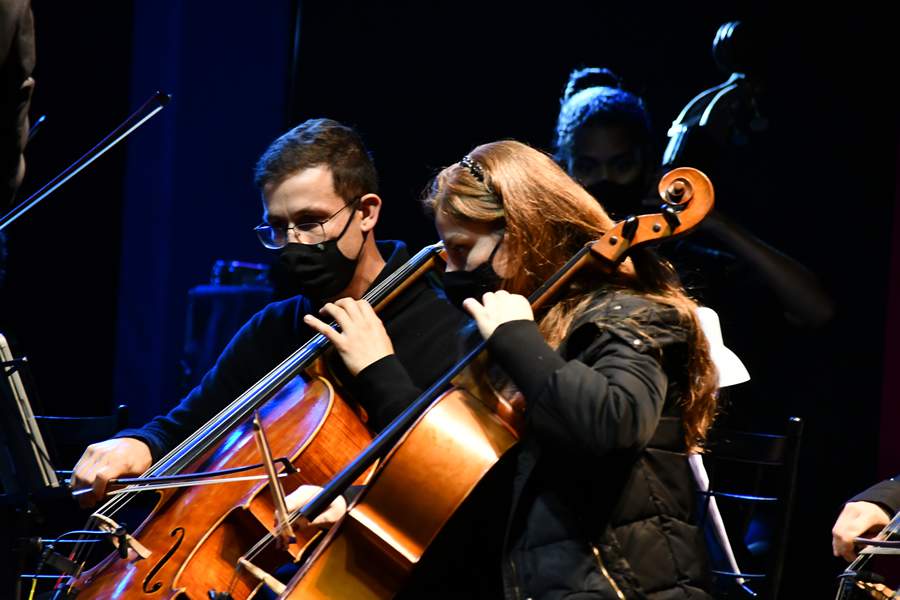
point(473, 167)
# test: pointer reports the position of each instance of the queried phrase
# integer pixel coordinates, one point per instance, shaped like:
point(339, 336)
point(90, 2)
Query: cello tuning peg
point(630, 227)
point(671, 216)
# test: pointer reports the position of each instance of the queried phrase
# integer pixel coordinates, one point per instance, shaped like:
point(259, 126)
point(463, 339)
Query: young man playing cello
point(320, 207)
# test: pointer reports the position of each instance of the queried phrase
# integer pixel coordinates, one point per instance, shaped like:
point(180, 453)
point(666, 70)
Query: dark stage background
point(98, 275)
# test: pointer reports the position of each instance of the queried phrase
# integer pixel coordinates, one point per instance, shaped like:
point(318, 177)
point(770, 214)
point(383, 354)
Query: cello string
point(263, 544)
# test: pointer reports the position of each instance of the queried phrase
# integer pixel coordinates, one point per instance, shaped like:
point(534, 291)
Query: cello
point(446, 441)
point(190, 544)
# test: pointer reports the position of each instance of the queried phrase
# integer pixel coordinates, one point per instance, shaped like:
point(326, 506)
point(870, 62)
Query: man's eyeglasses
point(310, 233)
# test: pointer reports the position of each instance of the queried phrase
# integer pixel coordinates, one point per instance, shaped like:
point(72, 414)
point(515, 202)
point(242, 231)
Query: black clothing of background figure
point(421, 323)
point(603, 135)
point(16, 85)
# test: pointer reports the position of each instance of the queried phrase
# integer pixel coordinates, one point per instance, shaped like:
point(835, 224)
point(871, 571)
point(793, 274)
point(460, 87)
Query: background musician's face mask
point(459, 285)
point(610, 161)
point(620, 200)
point(318, 271)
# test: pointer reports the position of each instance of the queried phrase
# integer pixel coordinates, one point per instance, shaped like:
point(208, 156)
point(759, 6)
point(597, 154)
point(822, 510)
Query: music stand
point(25, 465)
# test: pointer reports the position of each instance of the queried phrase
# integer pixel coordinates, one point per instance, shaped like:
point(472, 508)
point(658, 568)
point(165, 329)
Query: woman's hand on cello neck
point(362, 339)
point(497, 308)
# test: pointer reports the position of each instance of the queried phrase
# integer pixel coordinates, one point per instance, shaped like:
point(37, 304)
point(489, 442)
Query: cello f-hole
point(177, 532)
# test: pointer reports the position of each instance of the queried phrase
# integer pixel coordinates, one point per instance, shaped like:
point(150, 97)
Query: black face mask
point(619, 200)
point(459, 285)
point(318, 271)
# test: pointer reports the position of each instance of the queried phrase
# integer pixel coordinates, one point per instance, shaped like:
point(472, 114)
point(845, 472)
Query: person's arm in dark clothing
point(864, 515)
point(610, 397)
point(885, 494)
point(805, 302)
point(385, 389)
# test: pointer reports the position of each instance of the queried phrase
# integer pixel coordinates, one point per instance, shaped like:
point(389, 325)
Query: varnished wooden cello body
point(195, 535)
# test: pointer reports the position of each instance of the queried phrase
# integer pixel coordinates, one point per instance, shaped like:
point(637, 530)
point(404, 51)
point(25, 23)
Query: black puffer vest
point(610, 517)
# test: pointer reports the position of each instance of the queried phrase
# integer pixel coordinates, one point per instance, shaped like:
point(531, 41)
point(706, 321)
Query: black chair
point(752, 477)
point(69, 436)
